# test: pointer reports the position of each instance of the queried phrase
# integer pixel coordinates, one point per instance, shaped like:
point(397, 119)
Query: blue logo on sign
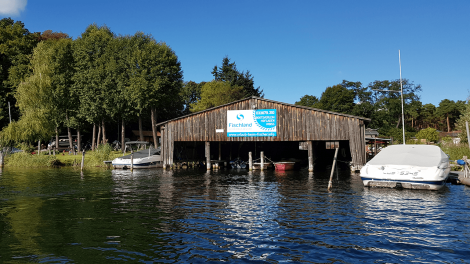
point(240, 117)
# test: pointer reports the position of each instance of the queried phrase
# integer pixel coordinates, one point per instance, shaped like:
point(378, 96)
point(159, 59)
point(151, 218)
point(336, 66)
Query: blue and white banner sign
point(251, 123)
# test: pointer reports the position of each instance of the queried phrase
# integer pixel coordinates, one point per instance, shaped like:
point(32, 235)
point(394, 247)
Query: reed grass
point(27, 160)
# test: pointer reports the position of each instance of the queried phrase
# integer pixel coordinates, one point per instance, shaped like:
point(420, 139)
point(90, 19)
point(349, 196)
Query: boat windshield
point(142, 154)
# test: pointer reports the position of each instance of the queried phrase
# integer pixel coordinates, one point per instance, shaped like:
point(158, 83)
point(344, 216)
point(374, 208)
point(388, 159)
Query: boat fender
point(461, 162)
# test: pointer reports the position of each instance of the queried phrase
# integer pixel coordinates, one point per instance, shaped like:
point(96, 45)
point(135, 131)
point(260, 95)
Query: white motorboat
point(142, 159)
point(407, 166)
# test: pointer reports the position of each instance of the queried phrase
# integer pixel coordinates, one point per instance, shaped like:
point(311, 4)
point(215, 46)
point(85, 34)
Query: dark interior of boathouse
point(306, 135)
point(273, 151)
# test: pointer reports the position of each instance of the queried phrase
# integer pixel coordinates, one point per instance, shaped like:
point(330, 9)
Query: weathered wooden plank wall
point(293, 124)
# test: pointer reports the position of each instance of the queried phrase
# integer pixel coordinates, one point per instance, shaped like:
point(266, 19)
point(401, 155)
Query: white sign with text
point(252, 123)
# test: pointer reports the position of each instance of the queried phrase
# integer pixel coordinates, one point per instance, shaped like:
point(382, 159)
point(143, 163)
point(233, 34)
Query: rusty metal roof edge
point(264, 99)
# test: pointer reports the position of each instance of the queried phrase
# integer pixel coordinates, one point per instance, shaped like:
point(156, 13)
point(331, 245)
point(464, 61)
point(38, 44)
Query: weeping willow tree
point(42, 96)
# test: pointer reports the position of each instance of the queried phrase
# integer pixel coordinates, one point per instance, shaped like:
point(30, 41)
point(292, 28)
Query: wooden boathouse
point(286, 127)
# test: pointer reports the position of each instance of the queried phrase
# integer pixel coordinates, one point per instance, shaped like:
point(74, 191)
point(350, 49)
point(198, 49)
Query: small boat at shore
point(266, 166)
point(407, 166)
point(284, 165)
point(142, 159)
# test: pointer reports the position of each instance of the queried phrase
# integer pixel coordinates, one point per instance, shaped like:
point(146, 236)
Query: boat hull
point(266, 166)
point(284, 166)
point(407, 177)
point(405, 184)
point(142, 163)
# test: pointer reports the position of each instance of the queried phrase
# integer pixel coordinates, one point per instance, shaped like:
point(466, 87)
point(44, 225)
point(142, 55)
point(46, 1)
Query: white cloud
point(12, 7)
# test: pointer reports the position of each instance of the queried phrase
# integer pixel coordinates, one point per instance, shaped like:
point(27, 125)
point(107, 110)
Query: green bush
point(430, 134)
point(102, 153)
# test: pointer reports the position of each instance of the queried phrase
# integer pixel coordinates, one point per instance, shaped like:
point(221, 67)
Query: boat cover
point(410, 155)
point(142, 154)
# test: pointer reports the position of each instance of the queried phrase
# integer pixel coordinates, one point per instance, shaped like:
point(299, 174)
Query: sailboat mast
point(402, 111)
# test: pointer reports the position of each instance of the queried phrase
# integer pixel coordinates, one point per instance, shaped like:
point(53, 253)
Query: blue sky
point(292, 48)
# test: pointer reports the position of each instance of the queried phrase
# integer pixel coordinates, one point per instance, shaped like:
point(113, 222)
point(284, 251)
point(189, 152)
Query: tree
point(217, 93)
point(191, 93)
point(387, 105)
point(228, 72)
point(429, 115)
point(36, 98)
point(155, 78)
point(91, 78)
point(447, 108)
point(337, 99)
point(451, 111)
point(51, 35)
point(414, 111)
point(16, 47)
point(308, 100)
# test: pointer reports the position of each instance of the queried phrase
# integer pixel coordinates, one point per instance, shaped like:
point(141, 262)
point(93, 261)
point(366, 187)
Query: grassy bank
point(456, 152)
point(92, 159)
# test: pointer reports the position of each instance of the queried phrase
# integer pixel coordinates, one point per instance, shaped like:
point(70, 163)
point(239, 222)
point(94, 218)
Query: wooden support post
point(250, 161)
point(208, 155)
point(39, 147)
point(465, 167)
point(1, 159)
point(53, 151)
point(83, 160)
point(220, 151)
point(163, 147)
point(310, 155)
point(330, 183)
point(132, 159)
point(375, 147)
point(468, 134)
point(262, 160)
point(230, 152)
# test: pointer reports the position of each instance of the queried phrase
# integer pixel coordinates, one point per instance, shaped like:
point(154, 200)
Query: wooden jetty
point(299, 127)
point(464, 176)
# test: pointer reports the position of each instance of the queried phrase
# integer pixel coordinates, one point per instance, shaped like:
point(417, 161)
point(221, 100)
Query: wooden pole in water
point(310, 156)
point(330, 183)
point(83, 160)
point(468, 134)
point(220, 151)
point(262, 159)
point(132, 159)
point(465, 167)
point(250, 161)
point(208, 155)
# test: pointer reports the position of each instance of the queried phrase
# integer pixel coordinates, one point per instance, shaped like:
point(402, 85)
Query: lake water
point(193, 216)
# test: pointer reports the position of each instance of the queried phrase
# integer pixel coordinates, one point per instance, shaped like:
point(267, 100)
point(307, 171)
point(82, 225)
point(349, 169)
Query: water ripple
point(235, 216)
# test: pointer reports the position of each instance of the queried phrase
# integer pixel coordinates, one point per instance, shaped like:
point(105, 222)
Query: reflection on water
point(64, 216)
